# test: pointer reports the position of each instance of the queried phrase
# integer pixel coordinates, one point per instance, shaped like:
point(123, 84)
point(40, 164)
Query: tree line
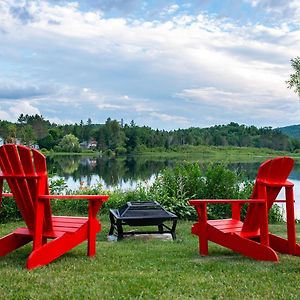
point(116, 137)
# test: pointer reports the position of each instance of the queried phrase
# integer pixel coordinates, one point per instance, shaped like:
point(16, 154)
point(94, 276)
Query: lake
point(127, 172)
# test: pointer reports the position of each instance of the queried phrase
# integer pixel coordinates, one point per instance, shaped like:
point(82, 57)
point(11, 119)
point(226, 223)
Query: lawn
point(150, 269)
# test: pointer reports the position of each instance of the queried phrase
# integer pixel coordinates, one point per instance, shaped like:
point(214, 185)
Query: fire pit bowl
point(141, 213)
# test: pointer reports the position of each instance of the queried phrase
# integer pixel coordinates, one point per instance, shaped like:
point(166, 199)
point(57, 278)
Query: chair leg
point(94, 226)
point(55, 248)
point(203, 245)
point(92, 234)
point(13, 241)
point(282, 245)
point(199, 229)
point(203, 241)
point(242, 245)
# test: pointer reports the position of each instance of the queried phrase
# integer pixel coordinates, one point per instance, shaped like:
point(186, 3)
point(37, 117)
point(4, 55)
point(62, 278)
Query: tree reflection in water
point(115, 171)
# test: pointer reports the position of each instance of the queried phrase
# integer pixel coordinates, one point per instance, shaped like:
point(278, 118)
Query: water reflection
point(110, 172)
point(125, 173)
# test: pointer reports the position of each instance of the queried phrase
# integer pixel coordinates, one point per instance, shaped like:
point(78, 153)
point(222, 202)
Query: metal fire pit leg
point(161, 228)
point(112, 224)
point(169, 230)
point(173, 229)
point(120, 229)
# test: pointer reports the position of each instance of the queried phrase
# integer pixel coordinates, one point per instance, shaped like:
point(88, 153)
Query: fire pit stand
point(141, 213)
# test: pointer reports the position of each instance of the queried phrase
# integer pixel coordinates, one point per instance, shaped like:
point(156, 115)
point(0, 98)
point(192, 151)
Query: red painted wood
point(25, 171)
point(38, 226)
point(196, 202)
point(12, 242)
point(236, 211)
point(9, 163)
point(54, 249)
point(202, 226)
point(72, 197)
point(252, 237)
point(290, 220)
point(241, 245)
point(274, 171)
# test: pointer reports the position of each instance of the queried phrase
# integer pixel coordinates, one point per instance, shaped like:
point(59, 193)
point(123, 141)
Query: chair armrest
point(197, 202)
point(95, 202)
point(103, 198)
point(236, 205)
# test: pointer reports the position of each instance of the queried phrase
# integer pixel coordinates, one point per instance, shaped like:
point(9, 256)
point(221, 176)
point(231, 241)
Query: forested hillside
point(292, 131)
point(119, 138)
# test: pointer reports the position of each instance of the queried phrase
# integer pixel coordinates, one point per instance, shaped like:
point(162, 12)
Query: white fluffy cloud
point(16, 108)
point(169, 70)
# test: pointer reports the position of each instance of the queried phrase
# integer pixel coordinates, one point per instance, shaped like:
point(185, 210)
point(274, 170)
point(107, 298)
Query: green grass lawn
point(150, 269)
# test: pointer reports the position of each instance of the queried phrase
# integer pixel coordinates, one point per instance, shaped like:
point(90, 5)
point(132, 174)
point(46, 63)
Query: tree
point(69, 143)
point(27, 135)
point(50, 140)
point(294, 81)
point(22, 119)
point(8, 132)
point(38, 123)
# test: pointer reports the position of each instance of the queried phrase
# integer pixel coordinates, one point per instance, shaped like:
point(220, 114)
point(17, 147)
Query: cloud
point(171, 118)
point(278, 10)
point(22, 13)
point(223, 106)
point(21, 90)
point(16, 108)
point(120, 6)
point(78, 62)
point(109, 106)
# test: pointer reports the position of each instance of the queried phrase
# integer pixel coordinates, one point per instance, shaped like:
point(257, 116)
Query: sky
point(163, 64)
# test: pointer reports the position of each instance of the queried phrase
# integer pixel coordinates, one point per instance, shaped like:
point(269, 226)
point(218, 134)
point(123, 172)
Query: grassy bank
point(150, 269)
point(214, 153)
point(206, 153)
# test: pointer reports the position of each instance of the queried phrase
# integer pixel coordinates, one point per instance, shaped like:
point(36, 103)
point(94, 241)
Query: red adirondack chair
point(25, 171)
point(252, 237)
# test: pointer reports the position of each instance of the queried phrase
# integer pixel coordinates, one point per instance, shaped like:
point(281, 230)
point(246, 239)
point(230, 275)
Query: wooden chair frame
point(25, 171)
point(252, 237)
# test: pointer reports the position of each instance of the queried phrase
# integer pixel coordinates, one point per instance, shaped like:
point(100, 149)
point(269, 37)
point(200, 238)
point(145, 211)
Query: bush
point(9, 210)
point(222, 183)
point(69, 143)
point(173, 187)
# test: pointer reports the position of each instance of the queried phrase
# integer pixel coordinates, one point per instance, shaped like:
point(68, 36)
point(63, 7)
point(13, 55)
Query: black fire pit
point(141, 213)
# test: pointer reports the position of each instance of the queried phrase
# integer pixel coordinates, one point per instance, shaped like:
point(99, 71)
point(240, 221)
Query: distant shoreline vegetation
point(114, 138)
point(205, 153)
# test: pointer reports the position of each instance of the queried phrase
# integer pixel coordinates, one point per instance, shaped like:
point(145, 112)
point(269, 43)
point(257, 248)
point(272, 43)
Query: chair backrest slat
point(41, 170)
point(19, 161)
point(274, 171)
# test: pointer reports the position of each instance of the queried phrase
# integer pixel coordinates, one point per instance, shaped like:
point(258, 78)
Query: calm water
point(126, 173)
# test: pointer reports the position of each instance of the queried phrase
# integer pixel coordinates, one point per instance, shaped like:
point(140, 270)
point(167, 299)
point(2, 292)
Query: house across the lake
point(92, 144)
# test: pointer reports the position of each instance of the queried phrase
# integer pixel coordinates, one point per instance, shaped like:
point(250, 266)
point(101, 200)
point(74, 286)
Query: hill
point(291, 131)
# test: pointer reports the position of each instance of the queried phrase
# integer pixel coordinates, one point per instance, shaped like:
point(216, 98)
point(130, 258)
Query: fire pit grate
point(141, 213)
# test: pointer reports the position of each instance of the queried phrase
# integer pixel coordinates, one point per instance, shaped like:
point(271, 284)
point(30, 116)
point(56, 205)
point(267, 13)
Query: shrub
point(173, 187)
point(9, 210)
point(222, 183)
